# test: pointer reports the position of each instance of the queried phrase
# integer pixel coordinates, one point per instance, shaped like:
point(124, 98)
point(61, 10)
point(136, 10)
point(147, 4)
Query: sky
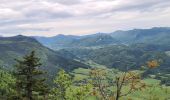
point(79, 17)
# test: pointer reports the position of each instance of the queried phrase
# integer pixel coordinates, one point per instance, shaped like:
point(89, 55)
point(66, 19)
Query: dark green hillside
point(131, 57)
point(15, 47)
point(126, 57)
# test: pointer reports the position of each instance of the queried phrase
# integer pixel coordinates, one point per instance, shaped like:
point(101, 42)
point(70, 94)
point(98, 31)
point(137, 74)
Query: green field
point(153, 91)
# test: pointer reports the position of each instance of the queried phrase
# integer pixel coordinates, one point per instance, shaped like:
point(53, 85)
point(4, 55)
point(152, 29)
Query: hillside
point(125, 58)
point(95, 40)
point(57, 42)
point(121, 56)
point(15, 47)
point(70, 41)
point(157, 35)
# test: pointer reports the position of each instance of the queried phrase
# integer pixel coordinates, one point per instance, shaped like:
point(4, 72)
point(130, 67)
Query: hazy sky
point(78, 17)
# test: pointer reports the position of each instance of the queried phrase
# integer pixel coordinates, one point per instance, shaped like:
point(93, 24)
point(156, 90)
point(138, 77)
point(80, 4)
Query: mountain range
point(156, 35)
point(123, 50)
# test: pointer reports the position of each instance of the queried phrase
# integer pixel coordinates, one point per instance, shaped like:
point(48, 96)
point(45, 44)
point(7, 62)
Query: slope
point(15, 47)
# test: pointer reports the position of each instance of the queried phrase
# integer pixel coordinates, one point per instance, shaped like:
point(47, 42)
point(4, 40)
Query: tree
point(130, 79)
point(7, 82)
point(28, 76)
point(62, 82)
point(153, 64)
point(102, 84)
point(98, 77)
point(80, 92)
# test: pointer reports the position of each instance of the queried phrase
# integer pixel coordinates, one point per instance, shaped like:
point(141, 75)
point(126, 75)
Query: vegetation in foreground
point(26, 82)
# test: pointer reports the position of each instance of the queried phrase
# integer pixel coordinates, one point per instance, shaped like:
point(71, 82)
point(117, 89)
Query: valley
point(139, 51)
point(123, 50)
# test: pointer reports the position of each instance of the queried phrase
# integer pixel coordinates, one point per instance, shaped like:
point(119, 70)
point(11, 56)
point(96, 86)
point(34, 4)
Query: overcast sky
point(78, 17)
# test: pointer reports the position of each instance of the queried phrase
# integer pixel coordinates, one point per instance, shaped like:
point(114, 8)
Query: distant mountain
point(70, 41)
point(157, 35)
point(95, 40)
point(57, 42)
point(15, 47)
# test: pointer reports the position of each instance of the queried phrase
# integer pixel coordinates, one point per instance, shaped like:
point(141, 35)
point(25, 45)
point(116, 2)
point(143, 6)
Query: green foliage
point(147, 88)
point(79, 92)
point(62, 81)
point(66, 90)
point(7, 82)
point(29, 76)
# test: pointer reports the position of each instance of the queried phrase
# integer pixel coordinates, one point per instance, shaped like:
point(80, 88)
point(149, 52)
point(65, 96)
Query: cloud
point(7, 13)
point(51, 17)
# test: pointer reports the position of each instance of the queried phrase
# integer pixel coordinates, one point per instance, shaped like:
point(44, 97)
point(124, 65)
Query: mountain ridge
point(159, 35)
point(15, 47)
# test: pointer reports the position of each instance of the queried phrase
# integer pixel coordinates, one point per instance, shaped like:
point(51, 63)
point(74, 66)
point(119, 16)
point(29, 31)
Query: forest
point(27, 82)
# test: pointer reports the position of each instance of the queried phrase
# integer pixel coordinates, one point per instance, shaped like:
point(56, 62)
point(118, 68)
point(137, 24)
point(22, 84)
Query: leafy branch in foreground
point(102, 84)
point(130, 79)
point(62, 82)
point(64, 88)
